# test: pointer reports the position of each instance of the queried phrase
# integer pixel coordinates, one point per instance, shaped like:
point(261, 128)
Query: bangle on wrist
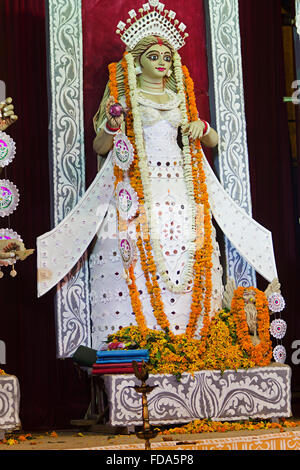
point(111, 130)
point(206, 129)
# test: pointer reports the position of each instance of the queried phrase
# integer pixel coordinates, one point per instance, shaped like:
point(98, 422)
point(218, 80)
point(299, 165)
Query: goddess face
point(156, 61)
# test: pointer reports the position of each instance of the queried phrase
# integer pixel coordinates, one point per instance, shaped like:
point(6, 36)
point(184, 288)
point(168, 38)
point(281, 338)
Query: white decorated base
point(9, 403)
point(262, 392)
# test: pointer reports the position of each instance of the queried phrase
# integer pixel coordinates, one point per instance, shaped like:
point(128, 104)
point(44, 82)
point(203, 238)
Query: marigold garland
point(133, 291)
point(175, 354)
point(203, 256)
point(147, 262)
point(261, 353)
point(199, 426)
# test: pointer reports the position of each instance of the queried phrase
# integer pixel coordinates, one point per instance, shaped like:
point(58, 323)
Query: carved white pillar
point(67, 161)
point(227, 101)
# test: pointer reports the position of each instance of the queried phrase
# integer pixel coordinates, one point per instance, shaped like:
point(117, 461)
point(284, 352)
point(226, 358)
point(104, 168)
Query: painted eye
point(153, 57)
point(167, 58)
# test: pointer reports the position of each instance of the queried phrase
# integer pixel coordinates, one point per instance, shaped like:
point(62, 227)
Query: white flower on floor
point(105, 296)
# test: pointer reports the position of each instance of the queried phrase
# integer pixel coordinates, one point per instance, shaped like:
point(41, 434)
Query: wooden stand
point(96, 417)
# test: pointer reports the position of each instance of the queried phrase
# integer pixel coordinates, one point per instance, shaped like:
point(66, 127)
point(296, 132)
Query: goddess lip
point(161, 69)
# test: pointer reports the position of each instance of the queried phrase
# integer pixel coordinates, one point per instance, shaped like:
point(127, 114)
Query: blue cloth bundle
point(120, 356)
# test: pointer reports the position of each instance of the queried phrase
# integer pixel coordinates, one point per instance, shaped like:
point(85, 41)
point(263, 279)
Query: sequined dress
point(111, 306)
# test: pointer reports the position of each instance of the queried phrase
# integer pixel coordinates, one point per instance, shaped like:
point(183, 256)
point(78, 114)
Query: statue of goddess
point(148, 213)
point(160, 231)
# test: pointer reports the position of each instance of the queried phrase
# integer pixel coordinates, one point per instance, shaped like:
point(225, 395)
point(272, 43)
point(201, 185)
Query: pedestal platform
point(261, 392)
point(9, 404)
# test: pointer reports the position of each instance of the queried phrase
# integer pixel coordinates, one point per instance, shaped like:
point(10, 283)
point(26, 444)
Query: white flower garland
point(143, 166)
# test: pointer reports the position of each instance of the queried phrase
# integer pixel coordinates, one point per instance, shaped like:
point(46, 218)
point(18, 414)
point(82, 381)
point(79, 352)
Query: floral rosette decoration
point(123, 152)
point(278, 328)
point(276, 302)
point(127, 200)
point(9, 234)
point(279, 354)
point(127, 249)
point(7, 149)
point(9, 197)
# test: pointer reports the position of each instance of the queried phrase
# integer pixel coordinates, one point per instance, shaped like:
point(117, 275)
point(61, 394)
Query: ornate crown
point(154, 20)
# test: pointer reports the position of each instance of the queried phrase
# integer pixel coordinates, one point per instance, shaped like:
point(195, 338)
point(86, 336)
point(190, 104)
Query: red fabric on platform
point(113, 370)
point(102, 46)
point(113, 364)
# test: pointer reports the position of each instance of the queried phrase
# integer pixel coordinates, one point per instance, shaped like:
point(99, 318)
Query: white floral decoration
point(121, 295)
point(105, 296)
point(9, 234)
point(278, 328)
point(7, 149)
point(279, 354)
point(114, 255)
point(100, 258)
point(276, 302)
point(123, 152)
point(127, 249)
point(9, 198)
point(127, 200)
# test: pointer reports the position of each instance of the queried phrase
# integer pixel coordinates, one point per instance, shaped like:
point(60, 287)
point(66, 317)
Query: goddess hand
point(7, 114)
point(113, 121)
point(196, 130)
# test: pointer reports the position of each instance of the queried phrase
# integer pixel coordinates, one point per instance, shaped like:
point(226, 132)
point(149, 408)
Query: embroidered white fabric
point(59, 250)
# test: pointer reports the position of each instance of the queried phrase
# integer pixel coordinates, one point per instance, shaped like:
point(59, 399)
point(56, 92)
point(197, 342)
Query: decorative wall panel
point(228, 91)
point(68, 162)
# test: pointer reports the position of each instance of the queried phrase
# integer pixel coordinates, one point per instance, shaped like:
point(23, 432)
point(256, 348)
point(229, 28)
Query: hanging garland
point(203, 263)
point(261, 353)
point(133, 291)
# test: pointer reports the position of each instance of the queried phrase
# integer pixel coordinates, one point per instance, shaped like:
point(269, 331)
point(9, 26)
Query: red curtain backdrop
point(103, 46)
point(269, 149)
point(51, 392)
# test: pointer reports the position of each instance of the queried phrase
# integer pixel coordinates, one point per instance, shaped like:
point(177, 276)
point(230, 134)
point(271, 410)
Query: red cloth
point(112, 365)
point(113, 370)
point(101, 46)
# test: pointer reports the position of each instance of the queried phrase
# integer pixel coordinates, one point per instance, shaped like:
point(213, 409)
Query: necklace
point(152, 92)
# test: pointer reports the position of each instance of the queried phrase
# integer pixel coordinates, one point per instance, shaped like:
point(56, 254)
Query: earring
point(169, 73)
point(137, 69)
